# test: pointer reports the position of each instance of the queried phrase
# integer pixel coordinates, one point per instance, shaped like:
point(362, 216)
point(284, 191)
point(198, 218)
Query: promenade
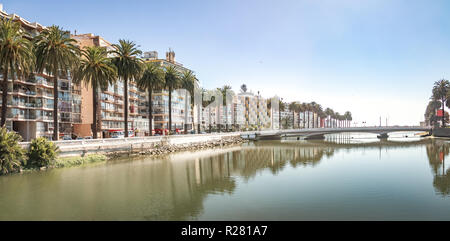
point(134, 144)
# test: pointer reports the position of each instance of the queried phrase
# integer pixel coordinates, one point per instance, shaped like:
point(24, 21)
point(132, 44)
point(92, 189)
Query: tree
point(151, 79)
point(11, 153)
point(309, 108)
point(337, 117)
point(319, 111)
point(96, 71)
point(224, 90)
point(56, 53)
point(329, 112)
point(440, 92)
point(188, 82)
point(304, 107)
point(129, 68)
point(171, 82)
point(244, 88)
point(16, 57)
point(41, 153)
point(348, 117)
point(430, 111)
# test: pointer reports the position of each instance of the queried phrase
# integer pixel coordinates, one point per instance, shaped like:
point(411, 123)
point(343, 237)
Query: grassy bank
point(78, 160)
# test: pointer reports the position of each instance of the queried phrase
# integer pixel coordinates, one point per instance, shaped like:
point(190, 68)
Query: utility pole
point(380, 121)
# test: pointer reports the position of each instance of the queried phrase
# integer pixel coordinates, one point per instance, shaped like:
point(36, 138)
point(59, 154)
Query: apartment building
point(160, 99)
point(256, 113)
point(111, 102)
point(30, 99)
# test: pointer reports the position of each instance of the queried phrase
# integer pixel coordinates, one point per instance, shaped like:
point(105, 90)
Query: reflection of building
point(161, 98)
point(30, 100)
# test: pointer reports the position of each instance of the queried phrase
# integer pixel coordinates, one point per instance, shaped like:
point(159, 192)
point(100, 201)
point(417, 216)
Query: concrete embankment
point(144, 145)
point(441, 132)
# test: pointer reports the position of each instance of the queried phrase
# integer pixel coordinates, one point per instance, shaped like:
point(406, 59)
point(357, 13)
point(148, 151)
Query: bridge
point(318, 133)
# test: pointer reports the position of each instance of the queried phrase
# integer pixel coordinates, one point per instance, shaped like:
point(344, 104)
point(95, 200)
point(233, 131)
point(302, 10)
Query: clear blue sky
point(371, 57)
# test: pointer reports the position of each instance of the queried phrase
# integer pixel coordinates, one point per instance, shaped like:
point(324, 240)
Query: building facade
point(161, 98)
point(30, 98)
point(111, 112)
point(256, 114)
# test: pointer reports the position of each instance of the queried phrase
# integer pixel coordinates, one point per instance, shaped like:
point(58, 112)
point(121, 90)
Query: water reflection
point(437, 152)
point(178, 186)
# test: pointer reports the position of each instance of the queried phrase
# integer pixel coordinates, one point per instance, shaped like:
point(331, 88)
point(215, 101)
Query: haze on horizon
point(374, 58)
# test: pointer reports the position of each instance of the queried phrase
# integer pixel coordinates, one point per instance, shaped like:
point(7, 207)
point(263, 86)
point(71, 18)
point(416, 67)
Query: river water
point(344, 177)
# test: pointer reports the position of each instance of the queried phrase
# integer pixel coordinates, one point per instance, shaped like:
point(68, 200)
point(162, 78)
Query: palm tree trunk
point(199, 118)
point(226, 118)
point(185, 112)
point(94, 116)
point(304, 119)
point(308, 120)
point(443, 114)
point(55, 108)
point(150, 112)
point(218, 125)
point(4, 97)
point(125, 105)
point(170, 111)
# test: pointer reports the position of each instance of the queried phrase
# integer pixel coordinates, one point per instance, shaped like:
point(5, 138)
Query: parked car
point(66, 138)
point(160, 131)
point(88, 137)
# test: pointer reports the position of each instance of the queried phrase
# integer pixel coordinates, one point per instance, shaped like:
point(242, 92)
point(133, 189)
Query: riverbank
point(155, 150)
point(135, 144)
point(171, 148)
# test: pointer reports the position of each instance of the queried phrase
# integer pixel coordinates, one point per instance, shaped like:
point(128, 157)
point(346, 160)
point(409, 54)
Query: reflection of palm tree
point(436, 153)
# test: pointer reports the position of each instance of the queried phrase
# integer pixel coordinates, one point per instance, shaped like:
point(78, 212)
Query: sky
point(375, 58)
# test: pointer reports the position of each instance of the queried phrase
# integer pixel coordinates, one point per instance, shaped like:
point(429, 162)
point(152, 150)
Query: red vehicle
point(160, 131)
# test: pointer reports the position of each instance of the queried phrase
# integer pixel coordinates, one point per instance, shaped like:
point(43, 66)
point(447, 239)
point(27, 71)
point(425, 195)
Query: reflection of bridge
point(318, 133)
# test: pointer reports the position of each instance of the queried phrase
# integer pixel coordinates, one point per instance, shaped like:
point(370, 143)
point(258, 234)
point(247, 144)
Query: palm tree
point(16, 57)
point(348, 117)
point(319, 111)
point(96, 71)
point(152, 79)
point(329, 113)
point(188, 82)
point(337, 118)
point(300, 110)
point(56, 53)
point(309, 108)
point(430, 111)
point(224, 90)
point(243, 88)
point(440, 92)
point(129, 67)
point(304, 107)
point(171, 82)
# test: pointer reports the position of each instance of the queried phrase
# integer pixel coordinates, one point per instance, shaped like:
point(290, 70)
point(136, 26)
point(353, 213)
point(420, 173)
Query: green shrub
point(11, 153)
point(42, 153)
